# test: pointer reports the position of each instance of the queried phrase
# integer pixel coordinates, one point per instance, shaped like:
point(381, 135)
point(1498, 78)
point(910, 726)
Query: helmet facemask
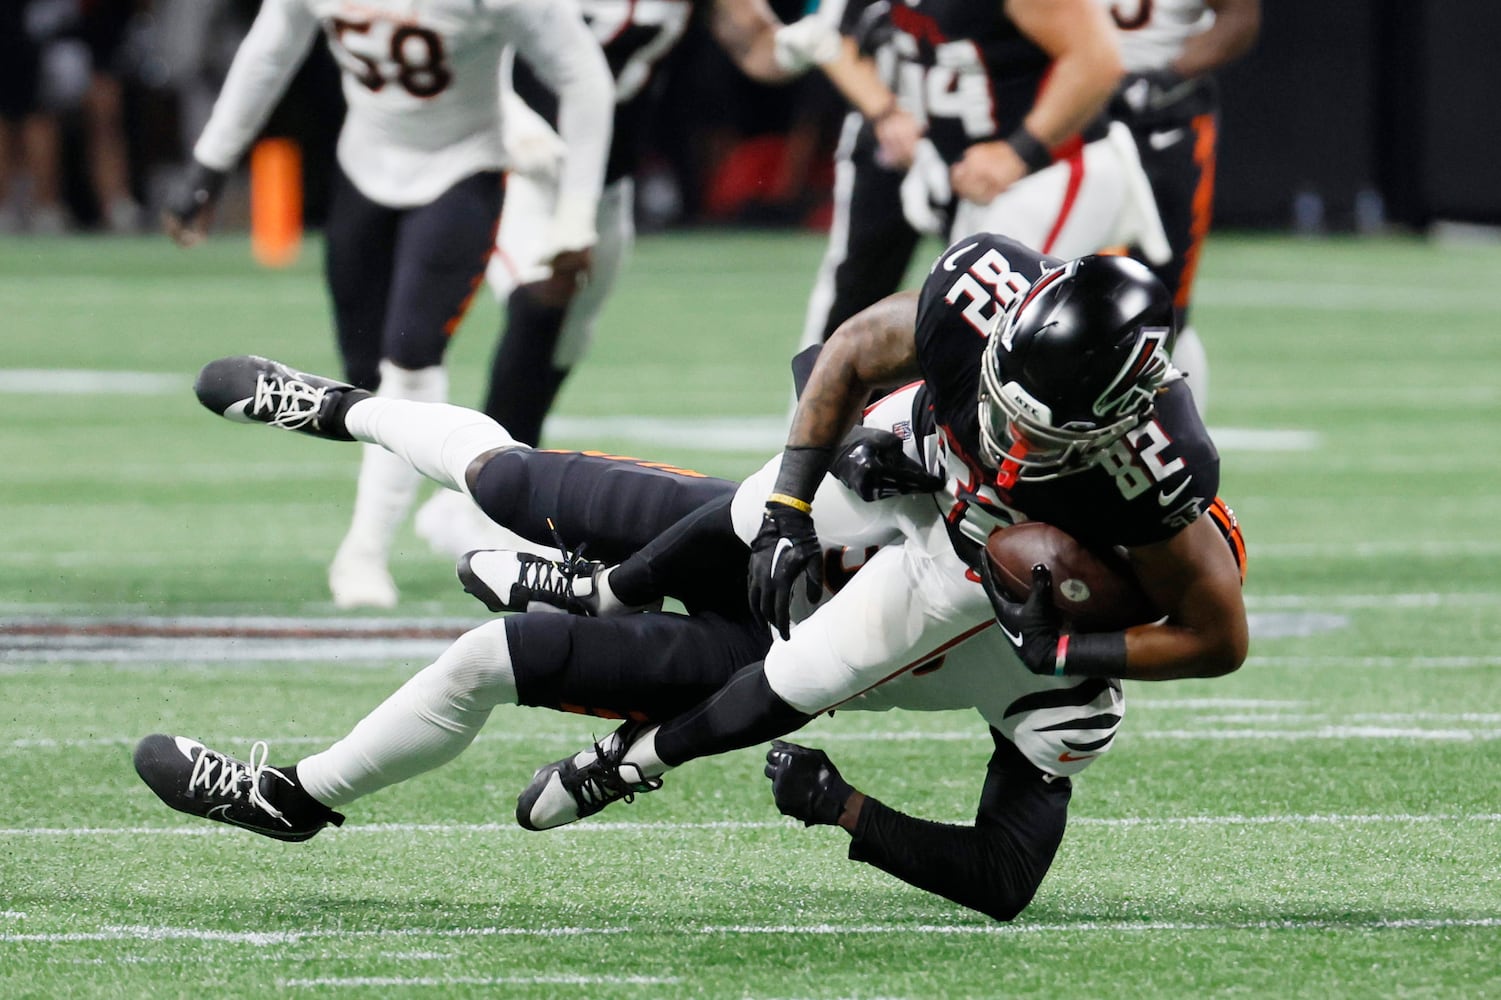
point(1046, 408)
point(1018, 437)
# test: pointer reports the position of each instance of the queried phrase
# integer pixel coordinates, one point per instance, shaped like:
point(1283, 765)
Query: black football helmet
point(1071, 366)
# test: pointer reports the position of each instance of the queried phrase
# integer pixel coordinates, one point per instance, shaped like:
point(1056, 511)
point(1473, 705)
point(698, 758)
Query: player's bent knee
point(476, 670)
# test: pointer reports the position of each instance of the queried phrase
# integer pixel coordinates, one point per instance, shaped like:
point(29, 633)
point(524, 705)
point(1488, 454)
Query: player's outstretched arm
point(873, 349)
point(764, 48)
point(263, 66)
point(552, 37)
point(994, 867)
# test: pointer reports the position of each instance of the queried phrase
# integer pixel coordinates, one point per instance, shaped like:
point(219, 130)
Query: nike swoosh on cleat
point(220, 814)
point(186, 746)
point(1015, 637)
point(949, 261)
point(1168, 496)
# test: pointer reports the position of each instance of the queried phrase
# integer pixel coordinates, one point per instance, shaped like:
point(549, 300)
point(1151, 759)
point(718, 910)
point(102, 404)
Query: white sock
point(1189, 357)
point(438, 440)
point(387, 485)
point(428, 721)
point(643, 753)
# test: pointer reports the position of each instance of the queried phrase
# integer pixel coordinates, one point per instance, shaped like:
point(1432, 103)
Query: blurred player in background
point(29, 141)
point(418, 193)
point(1171, 103)
point(1011, 95)
point(550, 319)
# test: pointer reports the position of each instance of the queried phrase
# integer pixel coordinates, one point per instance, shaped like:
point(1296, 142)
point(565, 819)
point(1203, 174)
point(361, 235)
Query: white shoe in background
point(451, 524)
point(358, 578)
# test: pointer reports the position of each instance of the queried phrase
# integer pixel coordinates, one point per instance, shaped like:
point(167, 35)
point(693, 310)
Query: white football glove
point(532, 147)
point(926, 191)
point(803, 44)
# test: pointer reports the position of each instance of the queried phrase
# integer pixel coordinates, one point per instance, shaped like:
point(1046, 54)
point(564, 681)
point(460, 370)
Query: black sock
point(523, 379)
point(294, 801)
point(744, 712)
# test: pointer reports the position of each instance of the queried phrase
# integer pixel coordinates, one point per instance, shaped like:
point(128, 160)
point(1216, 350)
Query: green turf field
point(1326, 822)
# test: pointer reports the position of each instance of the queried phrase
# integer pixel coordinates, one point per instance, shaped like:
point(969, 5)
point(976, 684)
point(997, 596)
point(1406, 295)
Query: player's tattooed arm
point(874, 349)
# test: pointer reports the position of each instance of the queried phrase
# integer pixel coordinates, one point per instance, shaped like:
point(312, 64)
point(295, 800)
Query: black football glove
point(784, 549)
point(873, 465)
point(1035, 630)
point(1032, 626)
point(806, 784)
point(185, 214)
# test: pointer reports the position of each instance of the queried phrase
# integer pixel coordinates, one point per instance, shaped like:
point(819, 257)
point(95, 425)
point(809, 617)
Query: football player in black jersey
point(1050, 397)
point(1170, 100)
point(1048, 718)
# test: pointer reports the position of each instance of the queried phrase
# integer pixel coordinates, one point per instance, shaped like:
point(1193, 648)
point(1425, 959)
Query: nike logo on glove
point(1015, 637)
point(783, 546)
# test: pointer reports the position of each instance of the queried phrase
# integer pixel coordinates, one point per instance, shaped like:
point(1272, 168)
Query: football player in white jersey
point(674, 534)
point(417, 194)
point(549, 323)
point(1170, 101)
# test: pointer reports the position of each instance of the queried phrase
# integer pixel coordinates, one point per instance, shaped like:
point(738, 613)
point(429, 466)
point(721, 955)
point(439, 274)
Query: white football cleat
point(361, 580)
point(452, 524)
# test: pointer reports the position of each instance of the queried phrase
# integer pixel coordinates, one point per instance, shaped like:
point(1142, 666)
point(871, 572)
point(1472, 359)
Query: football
point(1095, 590)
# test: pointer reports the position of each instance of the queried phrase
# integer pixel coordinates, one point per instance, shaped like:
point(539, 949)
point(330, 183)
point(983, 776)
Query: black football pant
point(1178, 151)
point(870, 235)
point(670, 533)
point(402, 278)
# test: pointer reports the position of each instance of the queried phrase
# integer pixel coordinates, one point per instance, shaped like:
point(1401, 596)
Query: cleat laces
point(555, 578)
point(235, 779)
point(289, 403)
point(597, 784)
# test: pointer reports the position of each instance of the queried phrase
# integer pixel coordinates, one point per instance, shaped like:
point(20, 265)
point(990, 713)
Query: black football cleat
point(191, 778)
point(582, 784)
point(250, 389)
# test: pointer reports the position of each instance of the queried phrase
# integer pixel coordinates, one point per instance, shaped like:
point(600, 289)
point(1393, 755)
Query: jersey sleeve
point(552, 37)
point(273, 48)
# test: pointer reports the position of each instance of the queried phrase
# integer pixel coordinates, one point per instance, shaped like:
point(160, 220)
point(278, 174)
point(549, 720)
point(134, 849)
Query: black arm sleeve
point(994, 866)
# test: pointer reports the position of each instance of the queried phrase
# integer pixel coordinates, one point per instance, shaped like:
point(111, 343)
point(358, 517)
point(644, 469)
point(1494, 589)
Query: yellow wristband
point(789, 501)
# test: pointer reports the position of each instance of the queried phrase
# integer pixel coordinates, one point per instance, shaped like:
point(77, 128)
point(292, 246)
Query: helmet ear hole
point(1074, 365)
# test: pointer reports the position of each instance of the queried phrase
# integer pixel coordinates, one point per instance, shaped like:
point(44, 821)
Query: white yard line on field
point(273, 939)
point(658, 828)
point(558, 980)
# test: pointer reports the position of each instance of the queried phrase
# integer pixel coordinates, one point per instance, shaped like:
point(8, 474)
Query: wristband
point(1092, 654)
point(802, 469)
point(793, 502)
point(1030, 148)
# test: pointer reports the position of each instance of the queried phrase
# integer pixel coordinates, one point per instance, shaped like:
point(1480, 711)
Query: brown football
point(1094, 589)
